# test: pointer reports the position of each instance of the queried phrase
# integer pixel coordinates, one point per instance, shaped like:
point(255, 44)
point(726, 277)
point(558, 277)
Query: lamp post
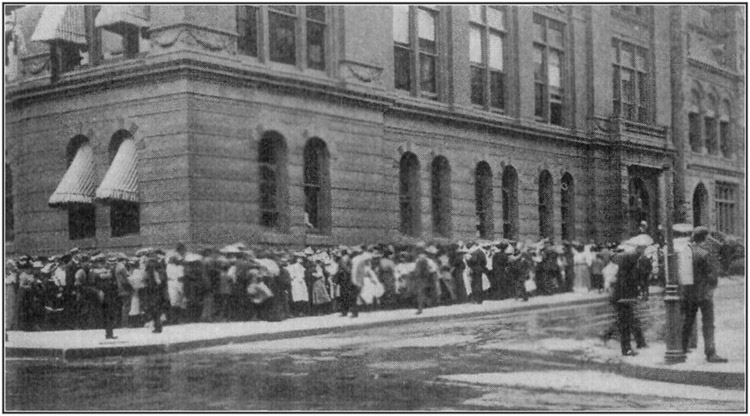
point(674, 353)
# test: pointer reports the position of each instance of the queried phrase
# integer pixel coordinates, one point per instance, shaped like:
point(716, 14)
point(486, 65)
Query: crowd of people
point(86, 290)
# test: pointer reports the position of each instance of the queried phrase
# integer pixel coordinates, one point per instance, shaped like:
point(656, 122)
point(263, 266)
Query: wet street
point(426, 366)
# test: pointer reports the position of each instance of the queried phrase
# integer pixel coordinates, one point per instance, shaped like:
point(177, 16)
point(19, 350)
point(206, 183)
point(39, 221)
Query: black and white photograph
point(375, 207)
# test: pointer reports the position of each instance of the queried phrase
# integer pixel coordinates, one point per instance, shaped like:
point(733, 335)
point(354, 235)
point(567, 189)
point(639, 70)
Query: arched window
point(441, 196)
point(695, 132)
point(119, 187)
point(9, 223)
point(546, 205)
point(639, 204)
point(710, 125)
point(317, 184)
point(483, 199)
point(725, 129)
point(700, 206)
point(272, 162)
point(510, 202)
point(567, 207)
point(409, 194)
point(81, 217)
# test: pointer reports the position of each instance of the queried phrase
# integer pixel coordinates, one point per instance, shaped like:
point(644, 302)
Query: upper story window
point(725, 129)
point(710, 126)
point(294, 35)
point(87, 34)
point(415, 49)
point(486, 48)
point(549, 43)
point(694, 122)
point(630, 82)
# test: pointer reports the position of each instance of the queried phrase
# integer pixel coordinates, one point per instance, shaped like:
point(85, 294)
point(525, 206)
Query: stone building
point(141, 125)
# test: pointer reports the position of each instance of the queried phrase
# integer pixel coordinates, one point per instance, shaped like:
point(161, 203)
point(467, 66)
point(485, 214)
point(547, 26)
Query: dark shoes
point(111, 337)
point(641, 345)
point(713, 358)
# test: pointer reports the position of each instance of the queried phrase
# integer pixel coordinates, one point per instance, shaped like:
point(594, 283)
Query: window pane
point(539, 29)
point(640, 59)
point(694, 132)
point(402, 68)
point(554, 69)
point(427, 73)
point(281, 32)
point(538, 63)
point(643, 89)
point(316, 13)
point(401, 24)
point(726, 144)
point(476, 45)
point(555, 37)
point(627, 86)
point(496, 18)
point(477, 85)
point(247, 28)
point(426, 25)
point(496, 51)
point(497, 90)
point(284, 9)
point(616, 83)
point(615, 51)
point(555, 112)
point(475, 13)
point(539, 93)
point(112, 45)
point(316, 45)
point(626, 54)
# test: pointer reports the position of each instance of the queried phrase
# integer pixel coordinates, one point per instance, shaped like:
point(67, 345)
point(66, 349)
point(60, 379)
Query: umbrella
point(193, 257)
point(640, 240)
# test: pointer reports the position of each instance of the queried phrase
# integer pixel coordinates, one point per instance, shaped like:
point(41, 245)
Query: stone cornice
point(719, 171)
point(191, 65)
point(734, 76)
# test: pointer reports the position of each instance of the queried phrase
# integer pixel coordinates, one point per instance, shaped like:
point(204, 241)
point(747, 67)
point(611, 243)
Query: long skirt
point(582, 281)
point(177, 294)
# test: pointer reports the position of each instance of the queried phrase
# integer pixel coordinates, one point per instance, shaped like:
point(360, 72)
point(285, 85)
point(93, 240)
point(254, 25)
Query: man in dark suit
point(700, 295)
point(624, 297)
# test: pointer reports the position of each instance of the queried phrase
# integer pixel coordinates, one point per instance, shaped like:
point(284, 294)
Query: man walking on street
point(625, 294)
point(700, 294)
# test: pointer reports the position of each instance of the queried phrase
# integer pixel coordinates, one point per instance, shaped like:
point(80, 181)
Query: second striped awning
point(120, 183)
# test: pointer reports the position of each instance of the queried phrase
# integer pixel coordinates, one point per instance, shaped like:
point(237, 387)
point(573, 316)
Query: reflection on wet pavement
point(385, 368)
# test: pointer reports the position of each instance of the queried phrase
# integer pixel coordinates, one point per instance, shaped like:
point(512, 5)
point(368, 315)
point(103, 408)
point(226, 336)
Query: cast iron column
point(674, 353)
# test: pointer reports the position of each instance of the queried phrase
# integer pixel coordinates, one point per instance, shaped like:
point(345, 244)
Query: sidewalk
point(730, 333)
point(649, 364)
point(139, 341)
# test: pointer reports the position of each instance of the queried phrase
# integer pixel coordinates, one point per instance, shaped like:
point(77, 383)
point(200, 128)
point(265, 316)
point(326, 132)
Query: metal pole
point(674, 353)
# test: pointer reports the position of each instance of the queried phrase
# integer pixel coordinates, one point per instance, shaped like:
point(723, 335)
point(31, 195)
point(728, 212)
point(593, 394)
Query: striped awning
point(63, 23)
point(121, 181)
point(112, 16)
point(78, 184)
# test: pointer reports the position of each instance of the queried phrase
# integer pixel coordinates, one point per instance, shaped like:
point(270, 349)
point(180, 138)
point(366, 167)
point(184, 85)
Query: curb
point(724, 380)
point(134, 350)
